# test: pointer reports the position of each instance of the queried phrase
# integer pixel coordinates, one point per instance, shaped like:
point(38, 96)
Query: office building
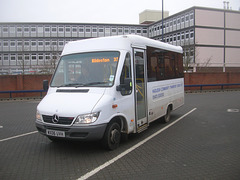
point(210, 39)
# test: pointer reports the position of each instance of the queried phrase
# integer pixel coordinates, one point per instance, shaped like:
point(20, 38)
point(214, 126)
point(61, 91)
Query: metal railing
point(212, 85)
point(23, 91)
point(186, 86)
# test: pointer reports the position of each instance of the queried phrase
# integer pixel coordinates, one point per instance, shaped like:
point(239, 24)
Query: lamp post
point(162, 20)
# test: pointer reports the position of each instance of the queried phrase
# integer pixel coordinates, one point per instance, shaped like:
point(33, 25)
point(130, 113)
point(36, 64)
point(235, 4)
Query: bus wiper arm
point(95, 83)
point(72, 84)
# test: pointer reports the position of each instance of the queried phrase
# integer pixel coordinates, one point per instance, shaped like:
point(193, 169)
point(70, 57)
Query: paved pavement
point(204, 144)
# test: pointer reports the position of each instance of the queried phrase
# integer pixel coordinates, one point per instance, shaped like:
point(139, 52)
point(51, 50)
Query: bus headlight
point(87, 118)
point(38, 116)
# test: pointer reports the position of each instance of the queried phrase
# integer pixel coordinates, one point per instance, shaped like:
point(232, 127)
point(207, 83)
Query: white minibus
point(106, 88)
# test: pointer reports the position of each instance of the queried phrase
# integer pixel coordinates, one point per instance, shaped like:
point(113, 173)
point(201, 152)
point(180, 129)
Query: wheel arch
point(122, 121)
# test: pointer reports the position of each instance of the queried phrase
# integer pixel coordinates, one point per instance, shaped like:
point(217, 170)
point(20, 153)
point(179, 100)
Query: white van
point(105, 88)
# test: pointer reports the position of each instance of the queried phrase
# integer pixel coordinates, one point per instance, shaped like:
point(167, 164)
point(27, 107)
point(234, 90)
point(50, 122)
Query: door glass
point(126, 74)
point(140, 88)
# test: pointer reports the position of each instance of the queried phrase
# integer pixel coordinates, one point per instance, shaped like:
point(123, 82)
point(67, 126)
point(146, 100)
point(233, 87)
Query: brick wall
point(212, 78)
point(20, 82)
point(34, 82)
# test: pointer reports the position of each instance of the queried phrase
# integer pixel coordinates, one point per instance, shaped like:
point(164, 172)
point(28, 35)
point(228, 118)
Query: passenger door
point(140, 89)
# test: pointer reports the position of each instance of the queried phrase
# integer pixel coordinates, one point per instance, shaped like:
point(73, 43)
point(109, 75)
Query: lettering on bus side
point(158, 92)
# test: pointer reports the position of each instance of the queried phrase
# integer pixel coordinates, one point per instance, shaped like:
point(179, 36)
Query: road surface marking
point(106, 164)
point(21, 135)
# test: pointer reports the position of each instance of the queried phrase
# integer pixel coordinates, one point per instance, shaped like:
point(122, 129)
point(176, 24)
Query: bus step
point(142, 128)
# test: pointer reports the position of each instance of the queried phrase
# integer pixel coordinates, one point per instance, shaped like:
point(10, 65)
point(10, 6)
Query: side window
point(163, 65)
point(126, 74)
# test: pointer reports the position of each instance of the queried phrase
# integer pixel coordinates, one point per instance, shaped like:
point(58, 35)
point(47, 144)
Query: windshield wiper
point(72, 84)
point(81, 84)
point(95, 83)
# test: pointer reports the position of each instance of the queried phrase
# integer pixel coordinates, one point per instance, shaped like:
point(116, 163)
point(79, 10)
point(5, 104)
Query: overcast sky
point(95, 11)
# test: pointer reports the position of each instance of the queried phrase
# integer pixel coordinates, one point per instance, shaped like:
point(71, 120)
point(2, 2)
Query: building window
point(19, 29)
point(13, 57)
point(178, 20)
point(33, 29)
point(182, 36)
point(19, 43)
point(191, 34)
point(81, 29)
point(20, 57)
point(40, 57)
point(88, 29)
point(167, 39)
point(183, 19)
point(68, 29)
point(34, 57)
point(5, 29)
point(47, 29)
point(174, 37)
point(33, 43)
point(5, 43)
point(132, 31)
point(40, 43)
point(74, 29)
point(54, 29)
point(61, 43)
point(47, 56)
point(27, 57)
point(26, 43)
point(191, 16)
point(12, 44)
point(187, 35)
point(26, 29)
point(5, 57)
point(47, 43)
point(54, 43)
point(107, 30)
point(120, 30)
point(60, 29)
point(178, 36)
point(174, 22)
point(101, 30)
point(94, 30)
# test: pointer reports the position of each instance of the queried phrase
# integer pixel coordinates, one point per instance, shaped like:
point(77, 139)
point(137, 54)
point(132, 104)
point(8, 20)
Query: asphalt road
point(202, 141)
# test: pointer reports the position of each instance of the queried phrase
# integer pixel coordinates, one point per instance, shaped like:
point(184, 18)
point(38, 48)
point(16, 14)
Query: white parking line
point(21, 135)
point(106, 164)
point(1, 126)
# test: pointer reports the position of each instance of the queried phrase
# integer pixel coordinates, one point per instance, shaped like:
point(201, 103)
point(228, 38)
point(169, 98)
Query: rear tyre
point(112, 136)
point(167, 116)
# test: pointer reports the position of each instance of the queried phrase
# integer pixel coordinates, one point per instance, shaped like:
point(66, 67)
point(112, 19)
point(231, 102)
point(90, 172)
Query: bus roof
point(122, 42)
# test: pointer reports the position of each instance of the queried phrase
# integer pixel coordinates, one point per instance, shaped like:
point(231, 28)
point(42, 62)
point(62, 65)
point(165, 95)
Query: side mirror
point(126, 86)
point(45, 85)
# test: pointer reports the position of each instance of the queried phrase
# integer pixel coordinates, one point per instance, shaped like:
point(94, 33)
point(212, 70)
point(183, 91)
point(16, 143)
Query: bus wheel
point(166, 118)
point(112, 136)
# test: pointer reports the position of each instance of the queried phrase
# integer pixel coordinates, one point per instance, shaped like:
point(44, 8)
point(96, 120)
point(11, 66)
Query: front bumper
point(84, 133)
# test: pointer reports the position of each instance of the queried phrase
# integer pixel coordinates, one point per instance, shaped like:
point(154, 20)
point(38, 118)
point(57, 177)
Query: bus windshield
point(86, 69)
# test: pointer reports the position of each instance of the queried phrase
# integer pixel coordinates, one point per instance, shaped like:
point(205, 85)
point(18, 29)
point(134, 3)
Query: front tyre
point(112, 136)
